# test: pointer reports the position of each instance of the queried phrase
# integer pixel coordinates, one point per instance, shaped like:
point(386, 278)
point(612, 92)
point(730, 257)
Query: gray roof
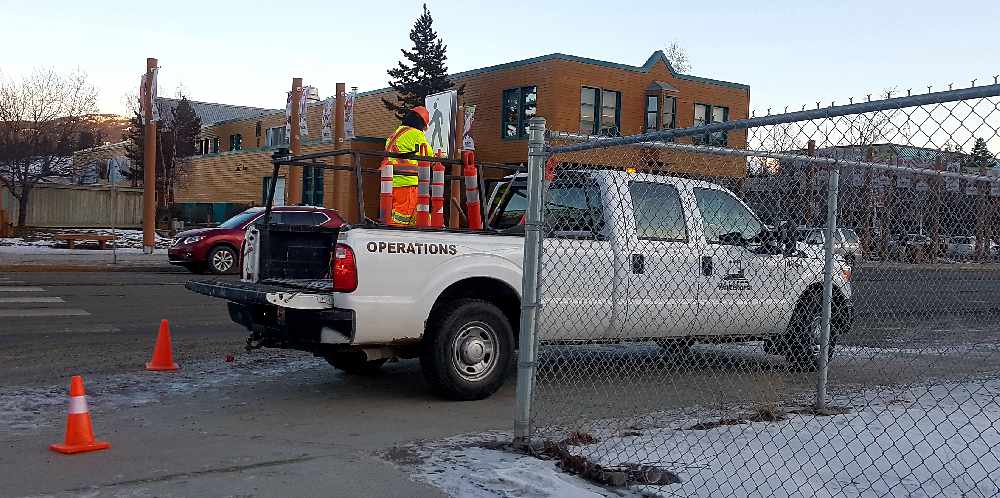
point(211, 113)
point(656, 58)
point(661, 86)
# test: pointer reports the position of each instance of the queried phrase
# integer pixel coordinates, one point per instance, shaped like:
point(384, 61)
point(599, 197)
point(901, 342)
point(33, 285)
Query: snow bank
point(46, 238)
point(938, 440)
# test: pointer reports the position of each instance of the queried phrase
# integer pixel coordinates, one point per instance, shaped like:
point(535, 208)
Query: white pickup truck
point(626, 257)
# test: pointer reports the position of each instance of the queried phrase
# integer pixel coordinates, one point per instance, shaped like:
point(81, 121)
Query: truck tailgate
point(256, 293)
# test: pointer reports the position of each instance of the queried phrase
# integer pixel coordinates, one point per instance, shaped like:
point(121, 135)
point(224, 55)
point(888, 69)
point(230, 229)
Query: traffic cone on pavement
point(79, 431)
point(163, 356)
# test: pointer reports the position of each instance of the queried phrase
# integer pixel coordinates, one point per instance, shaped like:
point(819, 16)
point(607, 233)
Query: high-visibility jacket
point(403, 141)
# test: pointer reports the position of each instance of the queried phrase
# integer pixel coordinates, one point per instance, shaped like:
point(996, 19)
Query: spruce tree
point(423, 72)
point(980, 157)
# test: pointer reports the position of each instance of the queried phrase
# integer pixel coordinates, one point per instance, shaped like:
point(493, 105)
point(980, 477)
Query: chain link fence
point(800, 304)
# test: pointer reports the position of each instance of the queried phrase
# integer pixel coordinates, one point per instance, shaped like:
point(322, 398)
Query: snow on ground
point(26, 409)
point(939, 440)
point(45, 238)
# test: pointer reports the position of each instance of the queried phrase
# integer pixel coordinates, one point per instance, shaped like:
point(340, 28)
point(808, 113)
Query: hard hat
point(422, 112)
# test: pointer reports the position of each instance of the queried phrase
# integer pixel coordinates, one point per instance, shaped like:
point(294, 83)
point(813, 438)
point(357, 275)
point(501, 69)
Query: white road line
point(42, 312)
point(8, 300)
point(21, 289)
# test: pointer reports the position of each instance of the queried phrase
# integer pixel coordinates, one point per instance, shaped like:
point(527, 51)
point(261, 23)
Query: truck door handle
point(706, 266)
point(638, 263)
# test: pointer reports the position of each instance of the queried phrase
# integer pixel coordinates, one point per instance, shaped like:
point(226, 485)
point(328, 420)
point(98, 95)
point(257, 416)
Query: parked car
point(218, 249)
point(964, 247)
point(366, 293)
point(846, 241)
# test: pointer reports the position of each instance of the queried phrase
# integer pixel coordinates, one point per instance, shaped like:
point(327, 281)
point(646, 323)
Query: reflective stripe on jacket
point(405, 140)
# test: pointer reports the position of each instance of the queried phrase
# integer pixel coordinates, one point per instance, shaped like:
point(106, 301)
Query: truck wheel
point(222, 259)
point(468, 350)
point(801, 345)
point(354, 363)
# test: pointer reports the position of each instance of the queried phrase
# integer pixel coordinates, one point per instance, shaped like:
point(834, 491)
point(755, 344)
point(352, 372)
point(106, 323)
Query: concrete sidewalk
point(28, 258)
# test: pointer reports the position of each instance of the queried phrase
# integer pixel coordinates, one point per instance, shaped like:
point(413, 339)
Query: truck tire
point(468, 350)
point(354, 363)
point(801, 344)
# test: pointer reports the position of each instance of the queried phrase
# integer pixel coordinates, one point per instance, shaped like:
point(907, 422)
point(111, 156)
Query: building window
point(652, 112)
point(519, 105)
point(276, 137)
point(215, 145)
point(705, 114)
point(669, 112)
point(312, 186)
point(235, 142)
point(607, 103)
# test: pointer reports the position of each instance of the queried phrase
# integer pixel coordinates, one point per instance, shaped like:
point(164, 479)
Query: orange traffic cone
point(79, 431)
point(163, 357)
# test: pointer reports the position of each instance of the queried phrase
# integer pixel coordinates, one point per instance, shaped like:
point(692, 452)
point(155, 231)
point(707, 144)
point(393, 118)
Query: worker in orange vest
point(407, 139)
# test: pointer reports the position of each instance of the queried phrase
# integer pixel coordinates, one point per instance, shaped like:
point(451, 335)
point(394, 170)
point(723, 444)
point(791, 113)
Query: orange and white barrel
point(473, 212)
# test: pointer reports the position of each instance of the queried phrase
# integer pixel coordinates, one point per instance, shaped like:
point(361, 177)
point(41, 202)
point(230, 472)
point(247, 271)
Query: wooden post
point(149, 165)
point(343, 187)
point(293, 187)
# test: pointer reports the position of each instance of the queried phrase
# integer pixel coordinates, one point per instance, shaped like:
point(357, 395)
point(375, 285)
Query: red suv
point(218, 249)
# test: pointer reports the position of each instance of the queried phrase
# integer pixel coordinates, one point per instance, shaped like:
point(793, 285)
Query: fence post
point(529, 283)
point(833, 192)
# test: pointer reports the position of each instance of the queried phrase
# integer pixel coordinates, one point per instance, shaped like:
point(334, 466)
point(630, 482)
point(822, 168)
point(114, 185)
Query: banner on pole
point(288, 116)
point(303, 100)
point(150, 98)
point(467, 142)
point(443, 109)
point(349, 115)
point(328, 107)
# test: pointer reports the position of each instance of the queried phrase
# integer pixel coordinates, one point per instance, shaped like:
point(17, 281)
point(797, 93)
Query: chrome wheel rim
point(474, 351)
point(222, 260)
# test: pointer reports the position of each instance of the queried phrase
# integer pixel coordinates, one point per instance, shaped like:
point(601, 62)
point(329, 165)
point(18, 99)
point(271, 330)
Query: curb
point(43, 268)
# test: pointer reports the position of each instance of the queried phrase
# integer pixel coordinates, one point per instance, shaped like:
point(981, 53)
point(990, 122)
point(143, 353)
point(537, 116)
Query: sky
point(790, 52)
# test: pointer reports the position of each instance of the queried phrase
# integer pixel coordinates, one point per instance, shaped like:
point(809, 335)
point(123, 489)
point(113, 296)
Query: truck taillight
point(345, 269)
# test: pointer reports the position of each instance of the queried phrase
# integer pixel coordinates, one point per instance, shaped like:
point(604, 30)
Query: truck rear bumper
point(279, 316)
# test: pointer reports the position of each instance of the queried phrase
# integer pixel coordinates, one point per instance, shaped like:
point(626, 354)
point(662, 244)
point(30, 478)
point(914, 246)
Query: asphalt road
point(286, 424)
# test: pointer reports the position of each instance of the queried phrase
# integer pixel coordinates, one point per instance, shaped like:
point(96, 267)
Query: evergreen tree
point(176, 134)
point(423, 72)
point(980, 157)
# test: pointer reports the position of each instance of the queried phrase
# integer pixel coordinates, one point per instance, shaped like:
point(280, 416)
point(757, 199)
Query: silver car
point(964, 247)
point(846, 242)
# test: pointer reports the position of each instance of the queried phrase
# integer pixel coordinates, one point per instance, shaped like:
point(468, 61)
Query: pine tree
point(425, 73)
point(980, 157)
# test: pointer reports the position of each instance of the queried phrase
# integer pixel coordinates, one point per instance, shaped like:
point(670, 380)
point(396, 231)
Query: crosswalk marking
point(27, 300)
point(42, 312)
point(20, 289)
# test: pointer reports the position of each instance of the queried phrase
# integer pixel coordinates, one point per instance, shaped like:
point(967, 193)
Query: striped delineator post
point(385, 192)
point(424, 189)
point(437, 195)
point(472, 208)
point(79, 429)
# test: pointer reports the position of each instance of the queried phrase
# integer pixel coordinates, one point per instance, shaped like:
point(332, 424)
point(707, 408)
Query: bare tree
point(678, 57)
point(42, 118)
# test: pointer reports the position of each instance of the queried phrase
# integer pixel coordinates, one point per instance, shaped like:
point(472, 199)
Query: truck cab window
point(573, 209)
point(723, 214)
point(658, 212)
point(513, 203)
